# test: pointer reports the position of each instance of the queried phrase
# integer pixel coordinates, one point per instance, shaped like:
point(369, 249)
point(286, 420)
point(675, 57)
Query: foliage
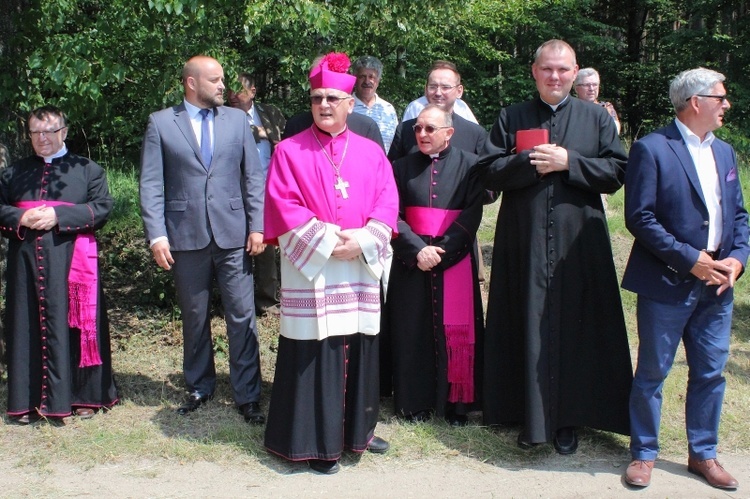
point(128, 270)
point(109, 64)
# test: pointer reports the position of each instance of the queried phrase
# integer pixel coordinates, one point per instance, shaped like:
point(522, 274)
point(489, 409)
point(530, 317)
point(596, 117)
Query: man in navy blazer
point(201, 190)
point(683, 204)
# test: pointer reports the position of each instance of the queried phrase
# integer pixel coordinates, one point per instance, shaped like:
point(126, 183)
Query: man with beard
point(202, 207)
point(556, 349)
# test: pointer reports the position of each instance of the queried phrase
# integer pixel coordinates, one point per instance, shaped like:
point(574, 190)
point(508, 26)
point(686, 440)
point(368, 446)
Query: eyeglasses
point(720, 98)
point(445, 88)
point(333, 100)
point(38, 134)
point(429, 129)
point(588, 85)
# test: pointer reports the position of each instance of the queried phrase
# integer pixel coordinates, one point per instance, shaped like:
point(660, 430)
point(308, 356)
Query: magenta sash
point(458, 304)
point(82, 288)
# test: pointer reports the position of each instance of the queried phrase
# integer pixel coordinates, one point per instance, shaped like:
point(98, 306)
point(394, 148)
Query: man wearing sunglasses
point(360, 124)
point(331, 206)
point(434, 309)
point(684, 205)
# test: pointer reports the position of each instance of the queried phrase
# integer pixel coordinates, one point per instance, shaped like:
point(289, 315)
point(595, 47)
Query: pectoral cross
point(341, 186)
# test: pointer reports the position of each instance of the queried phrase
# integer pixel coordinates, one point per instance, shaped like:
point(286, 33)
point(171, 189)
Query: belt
point(713, 254)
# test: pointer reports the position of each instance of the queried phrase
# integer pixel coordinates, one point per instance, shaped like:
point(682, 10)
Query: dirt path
point(457, 477)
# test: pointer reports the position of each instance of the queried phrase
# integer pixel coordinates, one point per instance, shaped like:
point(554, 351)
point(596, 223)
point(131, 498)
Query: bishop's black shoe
point(378, 446)
point(323, 466)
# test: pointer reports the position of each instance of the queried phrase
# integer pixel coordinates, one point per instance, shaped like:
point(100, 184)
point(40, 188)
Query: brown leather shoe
point(713, 472)
point(638, 473)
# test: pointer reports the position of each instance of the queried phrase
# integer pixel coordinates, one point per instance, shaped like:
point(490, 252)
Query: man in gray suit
point(201, 190)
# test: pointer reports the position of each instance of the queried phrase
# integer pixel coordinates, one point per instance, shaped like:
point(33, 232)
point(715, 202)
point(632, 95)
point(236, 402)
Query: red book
point(527, 139)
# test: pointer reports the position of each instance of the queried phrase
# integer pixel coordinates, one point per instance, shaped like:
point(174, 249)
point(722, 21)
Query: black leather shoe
point(194, 401)
point(566, 441)
point(378, 446)
point(252, 413)
point(323, 466)
point(524, 443)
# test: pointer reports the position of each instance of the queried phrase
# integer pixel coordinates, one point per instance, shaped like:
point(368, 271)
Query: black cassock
point(556, 350)
point(414, 305)
point(43, 352)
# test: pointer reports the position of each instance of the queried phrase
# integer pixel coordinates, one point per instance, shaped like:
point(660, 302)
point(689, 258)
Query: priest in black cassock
point(556, 349)
point(433, 308)
point(58, 350)
point(442, 88)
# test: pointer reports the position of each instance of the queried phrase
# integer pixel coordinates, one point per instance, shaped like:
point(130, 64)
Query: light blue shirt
point(384, 114)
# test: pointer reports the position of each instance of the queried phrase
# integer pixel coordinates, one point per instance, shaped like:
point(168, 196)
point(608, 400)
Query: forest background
point(110, 63)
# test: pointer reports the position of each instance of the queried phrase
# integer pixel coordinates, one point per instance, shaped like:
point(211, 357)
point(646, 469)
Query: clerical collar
point(333, 135)
point(441, 154)
point(555, 106)
point(59, 154)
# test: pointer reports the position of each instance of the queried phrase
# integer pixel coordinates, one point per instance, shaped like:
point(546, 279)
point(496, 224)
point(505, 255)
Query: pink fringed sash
point(458, 304)
point(82, 289)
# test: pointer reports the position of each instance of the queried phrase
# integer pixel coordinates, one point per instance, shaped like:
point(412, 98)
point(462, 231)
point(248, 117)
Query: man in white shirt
point(684, 206)
point(368, 71)
point(460, 107)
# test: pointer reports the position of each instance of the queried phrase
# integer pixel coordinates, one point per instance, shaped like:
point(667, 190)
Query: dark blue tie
point(206, 151)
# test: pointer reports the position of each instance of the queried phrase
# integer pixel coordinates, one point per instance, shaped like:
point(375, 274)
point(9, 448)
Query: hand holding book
point(528, 139)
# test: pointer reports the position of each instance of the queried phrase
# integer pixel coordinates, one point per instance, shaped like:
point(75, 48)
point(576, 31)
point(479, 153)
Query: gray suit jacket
point(190, 204)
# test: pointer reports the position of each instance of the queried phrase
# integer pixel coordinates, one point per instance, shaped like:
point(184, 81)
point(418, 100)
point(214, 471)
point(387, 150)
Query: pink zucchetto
point(331, 72)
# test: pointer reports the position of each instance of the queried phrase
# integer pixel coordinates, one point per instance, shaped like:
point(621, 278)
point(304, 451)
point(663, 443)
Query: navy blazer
point(666, 213)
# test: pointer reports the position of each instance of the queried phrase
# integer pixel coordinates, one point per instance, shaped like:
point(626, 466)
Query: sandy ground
point(456, 477)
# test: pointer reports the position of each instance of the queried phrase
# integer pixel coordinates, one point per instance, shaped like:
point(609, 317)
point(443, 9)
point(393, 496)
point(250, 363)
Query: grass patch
point(147, 355)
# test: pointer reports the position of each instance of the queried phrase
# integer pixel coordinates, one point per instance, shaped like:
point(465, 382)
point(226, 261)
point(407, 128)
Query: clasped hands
point(722, 273)
point(39, 218)
point(347, 247)
point(548, 158)
point(428, 257)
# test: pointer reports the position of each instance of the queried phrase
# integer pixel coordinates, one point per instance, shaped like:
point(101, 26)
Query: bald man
point(202, 192)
